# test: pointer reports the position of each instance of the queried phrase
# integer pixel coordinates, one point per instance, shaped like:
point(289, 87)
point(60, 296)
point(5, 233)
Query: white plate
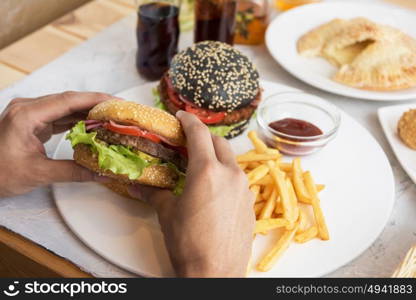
point(357, 203)
point(283, 33)
point(389, 116)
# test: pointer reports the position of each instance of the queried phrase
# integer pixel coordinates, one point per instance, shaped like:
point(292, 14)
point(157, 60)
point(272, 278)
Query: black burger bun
point(215, 76)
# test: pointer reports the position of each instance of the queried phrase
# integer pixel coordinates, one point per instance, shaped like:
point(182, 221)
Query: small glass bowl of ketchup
point(297, 123)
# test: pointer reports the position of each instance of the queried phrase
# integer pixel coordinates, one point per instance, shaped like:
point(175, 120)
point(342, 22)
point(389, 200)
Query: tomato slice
point(206, 116)
point(131, 130)
point(173, 95)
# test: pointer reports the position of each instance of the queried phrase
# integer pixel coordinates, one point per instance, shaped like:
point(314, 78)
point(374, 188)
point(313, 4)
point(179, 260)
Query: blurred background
point(21, 17)
point(35, 32)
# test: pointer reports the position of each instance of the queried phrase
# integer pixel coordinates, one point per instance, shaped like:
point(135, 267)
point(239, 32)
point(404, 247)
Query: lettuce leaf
point(158, 103)
point(115, 158)
point(222, 130)
point(120, 159)
point(180, 184)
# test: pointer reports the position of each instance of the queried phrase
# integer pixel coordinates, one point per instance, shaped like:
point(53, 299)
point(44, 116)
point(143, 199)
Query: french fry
point(252, 165)
point(269, 224)
point(280, 182)
point(257, 174)
point(255, 189)
point(284, 195)
point(307, 235)
point(279, 208)
point(286, 167)
point(320, 187)
point(243, 166)
point(258, 144)
point(258, 207)
point(267, 191)
point(266, 180)
point(303, 221)
point(268, 208)
point(272, 151)
point(276, 252)
point(249, 152)
point(293, 201)
point(257, 157)
point(319, 216)
point(297, 178)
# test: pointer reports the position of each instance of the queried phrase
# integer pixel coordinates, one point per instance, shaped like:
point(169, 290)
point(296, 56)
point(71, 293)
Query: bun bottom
point(119, 188)
point(158, 176)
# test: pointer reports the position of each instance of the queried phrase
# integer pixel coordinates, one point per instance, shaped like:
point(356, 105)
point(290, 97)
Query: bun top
point(145, 117)
point(215, 76)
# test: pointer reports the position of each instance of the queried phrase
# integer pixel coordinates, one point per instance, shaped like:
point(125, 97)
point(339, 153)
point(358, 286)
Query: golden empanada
point(369, 55)
point(354, 36)
point(381, 66)
point(311, 43)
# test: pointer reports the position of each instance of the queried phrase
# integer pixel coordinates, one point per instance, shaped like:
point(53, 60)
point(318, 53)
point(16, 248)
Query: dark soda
point(157, 37)
point(215, 20)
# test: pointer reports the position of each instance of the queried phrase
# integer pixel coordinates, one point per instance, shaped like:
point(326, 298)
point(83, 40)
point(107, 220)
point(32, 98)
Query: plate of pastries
point(365, 51)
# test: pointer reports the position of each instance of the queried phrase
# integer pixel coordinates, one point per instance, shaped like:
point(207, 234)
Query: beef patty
point(143, 145)
point(231, 118)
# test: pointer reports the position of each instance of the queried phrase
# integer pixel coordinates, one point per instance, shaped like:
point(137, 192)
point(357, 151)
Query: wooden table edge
point(41, 255)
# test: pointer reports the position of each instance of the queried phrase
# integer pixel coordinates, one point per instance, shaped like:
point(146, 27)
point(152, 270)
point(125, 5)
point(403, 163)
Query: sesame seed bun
point(119, 188)
point(159, 176)
point(145, 117)
point(215, 76)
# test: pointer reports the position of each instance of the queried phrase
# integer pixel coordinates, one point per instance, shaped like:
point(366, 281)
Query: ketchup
point(299, 128)
point(295, 127)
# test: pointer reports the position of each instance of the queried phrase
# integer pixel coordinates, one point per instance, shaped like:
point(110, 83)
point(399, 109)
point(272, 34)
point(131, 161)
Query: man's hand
point(209, 229)
point(28, 123)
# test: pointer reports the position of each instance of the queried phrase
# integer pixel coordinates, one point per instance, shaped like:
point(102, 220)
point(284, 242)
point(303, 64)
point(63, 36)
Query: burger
point(215, 82)
point(131, 143)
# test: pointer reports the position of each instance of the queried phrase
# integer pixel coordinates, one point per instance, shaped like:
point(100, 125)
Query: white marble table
point(107, 63)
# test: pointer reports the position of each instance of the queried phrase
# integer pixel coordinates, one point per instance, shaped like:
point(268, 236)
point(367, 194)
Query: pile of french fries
point(286, 197)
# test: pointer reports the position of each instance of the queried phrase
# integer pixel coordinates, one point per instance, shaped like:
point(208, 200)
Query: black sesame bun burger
point(215, 82)
point(131, 143)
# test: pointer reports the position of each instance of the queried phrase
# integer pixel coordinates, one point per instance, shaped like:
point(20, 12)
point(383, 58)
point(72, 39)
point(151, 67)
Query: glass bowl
point(299, 106)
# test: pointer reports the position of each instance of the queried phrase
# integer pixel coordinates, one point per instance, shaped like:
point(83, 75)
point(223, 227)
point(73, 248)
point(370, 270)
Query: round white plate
point(285, 30)
point(357, 202)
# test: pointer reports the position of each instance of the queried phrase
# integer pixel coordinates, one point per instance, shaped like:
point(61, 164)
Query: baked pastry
point(368, 55)
point(407, 128)
point(351, 39)
point(381, 66)
point(311, 44)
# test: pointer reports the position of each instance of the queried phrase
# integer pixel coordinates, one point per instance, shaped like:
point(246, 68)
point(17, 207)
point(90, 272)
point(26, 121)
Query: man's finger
point(199, 142)
point(73, 118)
point(65, 171)
point(56, 129)
point(224, 151)
point(160, 199)
point(54, 107)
